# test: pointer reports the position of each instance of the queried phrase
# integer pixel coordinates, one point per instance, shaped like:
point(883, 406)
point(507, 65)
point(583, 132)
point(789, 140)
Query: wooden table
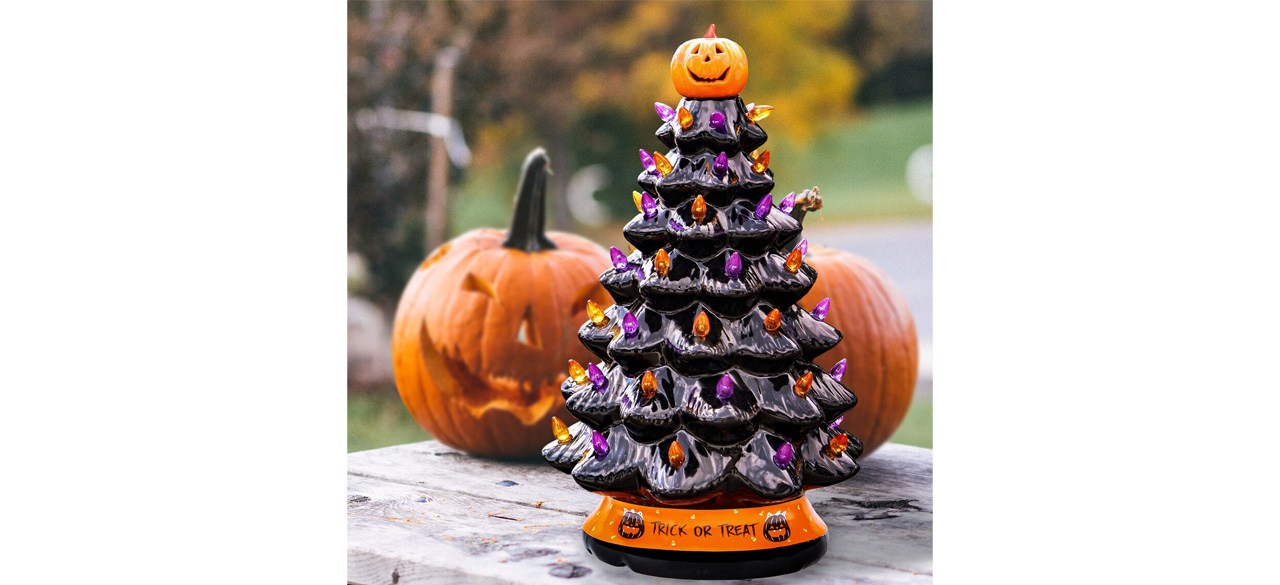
point(427, 513)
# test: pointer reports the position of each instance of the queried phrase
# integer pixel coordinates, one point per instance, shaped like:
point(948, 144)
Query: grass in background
point(379, 420)
point(917, 427)
point(860, 164)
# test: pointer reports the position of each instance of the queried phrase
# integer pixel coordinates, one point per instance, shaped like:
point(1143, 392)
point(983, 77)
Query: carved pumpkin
point(709, 67)
point(632, 524)
point(879, 341)
point(487, 324)
point(776, 528)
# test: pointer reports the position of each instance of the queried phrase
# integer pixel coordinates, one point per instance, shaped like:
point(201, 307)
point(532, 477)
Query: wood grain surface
point(426, 513)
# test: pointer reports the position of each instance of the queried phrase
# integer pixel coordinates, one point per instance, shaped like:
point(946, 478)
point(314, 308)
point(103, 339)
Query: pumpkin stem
point(528, 231)
point(711, 32)
point(808, 200)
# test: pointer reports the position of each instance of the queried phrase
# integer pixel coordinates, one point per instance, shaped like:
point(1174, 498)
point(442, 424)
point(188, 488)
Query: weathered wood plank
point(425, 513)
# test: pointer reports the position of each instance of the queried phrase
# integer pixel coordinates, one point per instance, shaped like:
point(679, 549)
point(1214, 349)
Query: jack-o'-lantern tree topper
point(709, 67)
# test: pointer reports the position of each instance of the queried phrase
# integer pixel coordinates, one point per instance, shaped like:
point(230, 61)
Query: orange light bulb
point(597, 314)
point(699, 209)
point(757, 112)
point(701, 325)
point(773, 321)
point(636, 197)
point(664, 165)
point(761, 163)
point(675, 454)
point(793, 260)
point(804, 384)
point(661, 262)
point(649, 385)
point(685, 118)
point(836, 445)
point(577, 372)
point(562, 432)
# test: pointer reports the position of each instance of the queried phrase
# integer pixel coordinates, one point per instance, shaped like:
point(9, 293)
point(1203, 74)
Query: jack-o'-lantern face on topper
point(709, 67)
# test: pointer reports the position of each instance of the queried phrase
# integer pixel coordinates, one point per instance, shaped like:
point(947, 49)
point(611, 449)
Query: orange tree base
point(706, 530)
point(735, 543)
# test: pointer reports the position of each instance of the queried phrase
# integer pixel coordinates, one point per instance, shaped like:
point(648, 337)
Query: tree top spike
point(711, 31)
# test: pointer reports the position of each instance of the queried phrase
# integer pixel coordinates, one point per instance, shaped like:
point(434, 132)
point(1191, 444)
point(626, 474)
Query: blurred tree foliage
point(580, 78)
point(894, 41)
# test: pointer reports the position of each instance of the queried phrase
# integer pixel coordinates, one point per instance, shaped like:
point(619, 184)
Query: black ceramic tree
point(706, 419)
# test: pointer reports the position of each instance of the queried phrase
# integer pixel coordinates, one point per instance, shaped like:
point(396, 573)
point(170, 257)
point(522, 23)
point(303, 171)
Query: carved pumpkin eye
point(719, 50)
point(479, 284)
point(527, 333)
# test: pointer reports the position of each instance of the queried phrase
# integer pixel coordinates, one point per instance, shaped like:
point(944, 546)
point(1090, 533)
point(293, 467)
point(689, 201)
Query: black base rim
point(746, 564)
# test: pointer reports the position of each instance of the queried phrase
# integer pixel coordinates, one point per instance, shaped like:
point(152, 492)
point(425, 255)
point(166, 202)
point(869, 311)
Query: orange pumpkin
point(709, 67)
point(879, 337)
point(879, 341)
point(487, 324)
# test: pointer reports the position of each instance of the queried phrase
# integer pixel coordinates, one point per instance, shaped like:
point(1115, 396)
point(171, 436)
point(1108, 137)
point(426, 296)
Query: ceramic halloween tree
point(705, 419)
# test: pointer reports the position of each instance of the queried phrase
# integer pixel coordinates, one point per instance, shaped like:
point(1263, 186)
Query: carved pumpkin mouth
point(480, 392)
point(700, 79)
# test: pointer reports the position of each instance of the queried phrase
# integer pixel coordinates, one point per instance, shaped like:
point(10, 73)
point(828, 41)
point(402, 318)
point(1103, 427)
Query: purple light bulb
point(717, 120)
point(837, 371)
point(804, 248)
point(733, 265)
point(598, 381)
point(630, 325)
point(675, 226)
point(820, 310)
point(788, 202)
point(648, 205)
point(764, 206)
point(639, 272)
point(601, 446)
point(619, 259)
point(724, 388)
point(836, 423)
point(781, 458)
point(646, 160)
point(664, 111)
point(721, 165)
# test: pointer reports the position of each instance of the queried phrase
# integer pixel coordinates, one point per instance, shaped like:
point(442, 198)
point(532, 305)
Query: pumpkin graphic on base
point(776, 528)
point(632, 524)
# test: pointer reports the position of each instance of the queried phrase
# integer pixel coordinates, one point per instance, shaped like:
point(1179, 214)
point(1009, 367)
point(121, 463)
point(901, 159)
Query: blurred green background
point(851, 83)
